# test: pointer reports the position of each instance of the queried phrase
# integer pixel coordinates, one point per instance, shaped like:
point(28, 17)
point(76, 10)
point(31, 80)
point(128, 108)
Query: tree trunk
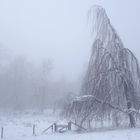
point(129, 106)
point(131, 115)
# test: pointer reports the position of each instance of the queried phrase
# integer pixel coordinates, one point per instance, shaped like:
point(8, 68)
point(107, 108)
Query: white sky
point(57, 29)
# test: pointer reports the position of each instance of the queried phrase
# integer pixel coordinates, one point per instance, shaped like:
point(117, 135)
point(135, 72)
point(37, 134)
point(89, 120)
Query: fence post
point(34, 130)
point(2, 132)
point(55, 127)
point(69, 125)
point(52, 128)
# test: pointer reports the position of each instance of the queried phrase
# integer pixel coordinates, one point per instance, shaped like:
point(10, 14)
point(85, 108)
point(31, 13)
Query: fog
point(55, 33)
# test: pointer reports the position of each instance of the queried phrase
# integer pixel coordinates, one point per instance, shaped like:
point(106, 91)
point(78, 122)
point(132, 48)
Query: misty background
point(45, 47)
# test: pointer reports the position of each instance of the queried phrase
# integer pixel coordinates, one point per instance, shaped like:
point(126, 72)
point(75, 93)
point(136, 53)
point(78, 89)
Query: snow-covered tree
point(112, 80)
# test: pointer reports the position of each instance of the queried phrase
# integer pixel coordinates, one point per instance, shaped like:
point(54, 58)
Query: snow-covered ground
point(19, 126)
point(107, 135)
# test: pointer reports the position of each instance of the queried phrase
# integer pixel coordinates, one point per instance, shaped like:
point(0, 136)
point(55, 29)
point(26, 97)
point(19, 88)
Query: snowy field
point(108, 135)
point(19, 126)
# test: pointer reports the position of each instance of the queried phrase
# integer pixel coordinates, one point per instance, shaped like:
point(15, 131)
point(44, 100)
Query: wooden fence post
point(34, 130)
point(52, 128)
point(2, 132)
point(69, 126)
point(55, 127)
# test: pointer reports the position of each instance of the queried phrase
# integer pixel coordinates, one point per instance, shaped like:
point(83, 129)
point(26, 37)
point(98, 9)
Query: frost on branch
point(112, 77)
